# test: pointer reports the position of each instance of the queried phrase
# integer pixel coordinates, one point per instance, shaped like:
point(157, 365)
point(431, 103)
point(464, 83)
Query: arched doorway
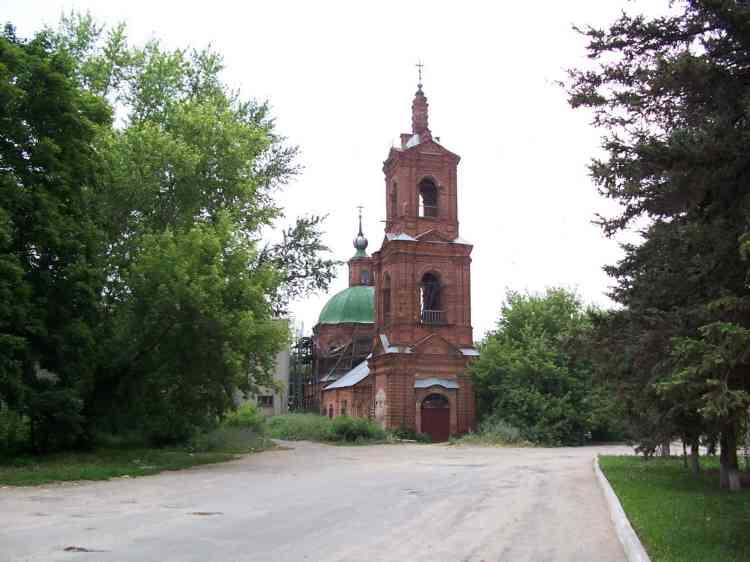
point(436, 417)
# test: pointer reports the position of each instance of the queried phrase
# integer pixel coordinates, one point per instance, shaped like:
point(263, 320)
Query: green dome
point(352, 305)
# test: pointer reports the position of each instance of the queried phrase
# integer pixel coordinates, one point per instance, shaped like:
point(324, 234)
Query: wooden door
point(436, 418)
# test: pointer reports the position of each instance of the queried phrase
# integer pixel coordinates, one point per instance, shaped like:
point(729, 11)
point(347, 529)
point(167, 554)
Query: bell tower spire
point(419, 111)
point(360, 265)
point(360, 242)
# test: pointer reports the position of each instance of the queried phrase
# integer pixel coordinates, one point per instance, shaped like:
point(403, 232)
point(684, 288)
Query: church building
point(417, 335)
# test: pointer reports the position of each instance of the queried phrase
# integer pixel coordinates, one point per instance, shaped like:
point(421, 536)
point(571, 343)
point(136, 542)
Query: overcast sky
point(340, 77)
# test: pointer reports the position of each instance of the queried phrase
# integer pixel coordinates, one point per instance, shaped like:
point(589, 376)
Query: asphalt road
point(405, 503)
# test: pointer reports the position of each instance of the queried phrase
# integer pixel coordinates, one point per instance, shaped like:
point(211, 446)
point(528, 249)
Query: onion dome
point(355, 305)
point(360, 242)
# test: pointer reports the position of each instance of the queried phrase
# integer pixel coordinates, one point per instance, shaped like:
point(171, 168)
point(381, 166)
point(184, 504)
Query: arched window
point(386, 299)
point(428, 198)
point(394, 200)
point(364, 277)
point(330, 410)
point(431, 299)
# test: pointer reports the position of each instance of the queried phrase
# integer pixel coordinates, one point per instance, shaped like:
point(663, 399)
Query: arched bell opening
point(431, 299)
point(428, 198)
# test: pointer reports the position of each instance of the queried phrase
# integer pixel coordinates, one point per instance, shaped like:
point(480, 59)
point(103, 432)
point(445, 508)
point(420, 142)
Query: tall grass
point(313, 427)
point(493, 431)
point(243, 430)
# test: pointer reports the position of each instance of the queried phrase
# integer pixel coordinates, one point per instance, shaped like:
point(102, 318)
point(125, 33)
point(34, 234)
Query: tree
point(533, 371)
point(191, 170)
point(135, 293)
point(50, 275)
point(299, 257)
point(671, 95)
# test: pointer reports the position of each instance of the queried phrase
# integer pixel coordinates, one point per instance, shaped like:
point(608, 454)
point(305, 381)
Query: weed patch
point(312, 427)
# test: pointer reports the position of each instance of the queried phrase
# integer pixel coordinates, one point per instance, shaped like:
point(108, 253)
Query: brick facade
point(422, 332)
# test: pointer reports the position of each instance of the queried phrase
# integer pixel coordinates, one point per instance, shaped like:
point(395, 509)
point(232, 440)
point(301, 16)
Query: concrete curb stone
point(634, 550)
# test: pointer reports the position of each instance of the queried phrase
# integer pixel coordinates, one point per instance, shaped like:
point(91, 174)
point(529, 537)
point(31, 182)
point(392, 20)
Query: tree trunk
point(695, 463)
point(729, 476)
point(684, 453)
point(664, 449)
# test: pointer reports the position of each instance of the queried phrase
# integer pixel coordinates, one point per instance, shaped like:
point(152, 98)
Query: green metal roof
point(353, 305)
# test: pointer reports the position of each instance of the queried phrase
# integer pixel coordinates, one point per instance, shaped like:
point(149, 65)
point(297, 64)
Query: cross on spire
point(360, 207)
point(419, 66)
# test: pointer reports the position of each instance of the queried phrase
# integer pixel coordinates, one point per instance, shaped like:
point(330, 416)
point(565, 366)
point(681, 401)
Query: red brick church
point(394, 346)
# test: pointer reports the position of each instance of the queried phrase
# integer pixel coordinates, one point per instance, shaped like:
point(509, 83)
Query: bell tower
point(421, 184)
point(422, 290)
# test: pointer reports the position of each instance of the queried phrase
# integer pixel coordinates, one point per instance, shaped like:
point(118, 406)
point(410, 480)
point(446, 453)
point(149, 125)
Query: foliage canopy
point(533, 372)
point(135, 189)
point(671, 95)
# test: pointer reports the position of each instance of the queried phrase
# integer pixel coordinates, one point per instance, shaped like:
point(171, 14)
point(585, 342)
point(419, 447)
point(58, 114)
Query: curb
point(630, 542)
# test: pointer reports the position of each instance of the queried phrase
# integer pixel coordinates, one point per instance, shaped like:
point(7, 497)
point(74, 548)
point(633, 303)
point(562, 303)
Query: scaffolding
point(300, 373)
point(328, 365)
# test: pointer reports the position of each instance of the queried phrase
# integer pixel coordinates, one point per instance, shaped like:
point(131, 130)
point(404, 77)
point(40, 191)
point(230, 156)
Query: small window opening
point(430, 298)
point(428, 199)
point(364, 277)
point(265, 401)
point(343, 408)
point(394, 200)
point(435, 401)
point(386, 299)
point(330, 410)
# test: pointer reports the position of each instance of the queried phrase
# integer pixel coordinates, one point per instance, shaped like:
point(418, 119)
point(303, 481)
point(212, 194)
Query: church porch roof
point(434, 381)
point(357, 374)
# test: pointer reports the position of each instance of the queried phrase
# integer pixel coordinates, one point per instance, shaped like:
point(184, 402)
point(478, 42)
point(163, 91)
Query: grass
point(299, 427)
point(241, 432)
point(680, 518)
point(101, 464)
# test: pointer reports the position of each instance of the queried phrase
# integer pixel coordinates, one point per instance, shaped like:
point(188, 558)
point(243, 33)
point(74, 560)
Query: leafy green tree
point(671, 94)
point(195, 329)
point(533, 371)
point(191, 170)
point(50, 246)
point(136, 187)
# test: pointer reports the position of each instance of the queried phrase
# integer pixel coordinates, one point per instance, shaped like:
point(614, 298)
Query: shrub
point(423, 438)
point(344, 428)
point(298, 427)
point(14, 431)
point(57, 419)
point(493, 431)
point(409, 434)
point(246, 416)
point(229, 439)
point(500, 430)
point(241, 430)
